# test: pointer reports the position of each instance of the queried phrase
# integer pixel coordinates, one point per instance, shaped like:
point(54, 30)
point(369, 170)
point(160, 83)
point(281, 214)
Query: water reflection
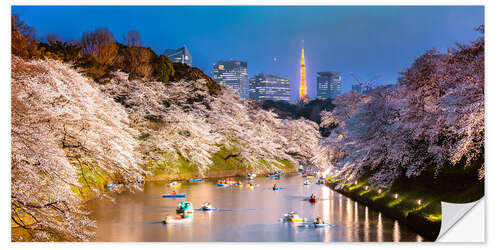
point(366, 225)
point(380, 228)
point(243, 215)
point(395, 232)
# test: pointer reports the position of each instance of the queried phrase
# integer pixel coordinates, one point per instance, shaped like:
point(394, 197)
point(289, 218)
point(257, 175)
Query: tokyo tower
point(303, 85)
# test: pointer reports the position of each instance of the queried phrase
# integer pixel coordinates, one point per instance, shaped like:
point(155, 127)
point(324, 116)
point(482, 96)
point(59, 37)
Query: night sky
point(363, 40)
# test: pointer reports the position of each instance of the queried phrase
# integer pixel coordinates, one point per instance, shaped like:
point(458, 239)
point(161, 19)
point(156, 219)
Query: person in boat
point(313, 197)
point(173, 192)
point(319, 221)
point(275, 185)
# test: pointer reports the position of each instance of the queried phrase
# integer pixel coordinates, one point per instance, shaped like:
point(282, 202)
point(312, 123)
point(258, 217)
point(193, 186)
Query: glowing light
point(221, 67)
point(303, 84)
point(356, 183)
point(396, 196)
point(419, 202)
point(379, 191)
point(366, 187)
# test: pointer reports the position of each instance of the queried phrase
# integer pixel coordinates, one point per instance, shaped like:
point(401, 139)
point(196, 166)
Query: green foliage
point(163, 68)
point(227, 159)
point(410, 193)
point(89, 178)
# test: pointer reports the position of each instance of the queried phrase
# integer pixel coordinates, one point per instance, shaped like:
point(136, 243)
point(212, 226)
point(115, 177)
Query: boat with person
point(222, 183)
point(292, 217)
point(175, 184)
point(251, 176)
point(319, 223)
point(184, 207)
point(207, 207)
point(313, 198)
point(195, 180)
point(174, 195)
point(307, 183)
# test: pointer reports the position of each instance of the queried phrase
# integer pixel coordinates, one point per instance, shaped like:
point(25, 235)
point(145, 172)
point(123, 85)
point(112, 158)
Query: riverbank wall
point(418, 223)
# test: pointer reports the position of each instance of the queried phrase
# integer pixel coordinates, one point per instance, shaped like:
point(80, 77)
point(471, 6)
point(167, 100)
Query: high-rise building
point(361, 89)
point(233, 74)
point(328, 85)
point(269, 87)
point(303, 83)
point(181, 55)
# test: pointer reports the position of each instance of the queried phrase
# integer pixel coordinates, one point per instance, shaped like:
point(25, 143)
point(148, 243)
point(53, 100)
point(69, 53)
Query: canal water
point(243, 215)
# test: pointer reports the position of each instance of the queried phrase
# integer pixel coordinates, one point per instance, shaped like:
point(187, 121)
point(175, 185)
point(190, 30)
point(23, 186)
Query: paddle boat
point(207, 207)
point(238, 185)
point(292, 217)
point(184, 207)
point(309, 176)
point(275, 187)
point(307, 183)
point(313, 198)
point(112, 185)
point(251, 176)
point(250, 186)
point(271, 175)
point(222, 183)
point(174, 195)
point(319, 223)
point(320, 182)
point(195, 180)
point(175, 184)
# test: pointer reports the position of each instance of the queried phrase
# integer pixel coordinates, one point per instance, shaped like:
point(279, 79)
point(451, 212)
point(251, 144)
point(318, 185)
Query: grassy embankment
point(401, 201)
point(225, 163)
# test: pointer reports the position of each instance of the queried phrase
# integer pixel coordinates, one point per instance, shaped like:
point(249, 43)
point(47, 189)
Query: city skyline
point(269, 87)
point(367, 40)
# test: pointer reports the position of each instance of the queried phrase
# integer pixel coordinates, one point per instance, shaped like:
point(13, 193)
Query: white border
point(492, 22)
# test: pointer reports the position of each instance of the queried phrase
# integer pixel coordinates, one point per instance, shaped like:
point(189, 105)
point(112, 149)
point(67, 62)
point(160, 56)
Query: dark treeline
point(311, 110)
point(97, 54)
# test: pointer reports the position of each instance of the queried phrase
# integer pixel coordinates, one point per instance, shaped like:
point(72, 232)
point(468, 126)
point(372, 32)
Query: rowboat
point(174, 195)
point(175, 184)
point(195, 180)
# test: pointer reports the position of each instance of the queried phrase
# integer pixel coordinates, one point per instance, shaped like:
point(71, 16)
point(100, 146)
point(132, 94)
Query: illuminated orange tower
point(303, 84)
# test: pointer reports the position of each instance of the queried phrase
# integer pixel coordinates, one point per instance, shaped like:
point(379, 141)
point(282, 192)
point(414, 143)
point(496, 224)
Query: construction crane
point(363, 86)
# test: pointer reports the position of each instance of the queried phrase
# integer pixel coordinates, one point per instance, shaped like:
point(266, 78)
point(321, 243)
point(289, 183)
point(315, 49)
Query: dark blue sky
point(364, 40)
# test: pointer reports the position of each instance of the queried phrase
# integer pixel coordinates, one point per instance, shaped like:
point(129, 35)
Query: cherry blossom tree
point(433, 118)
point(66, 136)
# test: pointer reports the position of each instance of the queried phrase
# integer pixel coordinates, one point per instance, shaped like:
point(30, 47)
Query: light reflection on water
point(243, 215)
